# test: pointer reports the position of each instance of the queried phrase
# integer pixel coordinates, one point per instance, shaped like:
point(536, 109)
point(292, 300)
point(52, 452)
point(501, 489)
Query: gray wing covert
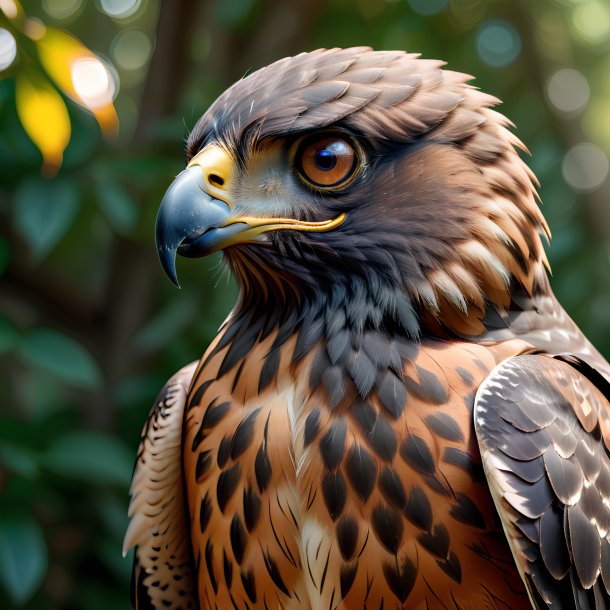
point(540, 425)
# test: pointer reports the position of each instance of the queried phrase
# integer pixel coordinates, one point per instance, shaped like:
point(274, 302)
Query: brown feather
point(424, 517)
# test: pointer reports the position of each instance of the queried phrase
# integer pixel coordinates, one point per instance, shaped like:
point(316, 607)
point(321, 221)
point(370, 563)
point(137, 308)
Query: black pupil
point(325, 159)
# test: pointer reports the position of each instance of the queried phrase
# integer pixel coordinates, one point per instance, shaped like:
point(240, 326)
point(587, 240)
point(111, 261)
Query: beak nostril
point(215, 180)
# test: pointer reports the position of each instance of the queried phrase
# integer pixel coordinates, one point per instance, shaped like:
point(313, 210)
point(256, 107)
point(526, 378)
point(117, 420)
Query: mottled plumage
point(397, 413)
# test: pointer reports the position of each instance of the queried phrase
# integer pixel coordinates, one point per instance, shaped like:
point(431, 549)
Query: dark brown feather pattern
point(356, 465)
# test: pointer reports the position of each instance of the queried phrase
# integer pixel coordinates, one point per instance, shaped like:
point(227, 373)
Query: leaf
point(90, 458)
point(18, 460)
point(43, 394)
point(52, 351)
point(9, 335)
point(80, 74)
point(118, 206)
point(44, 211)
point(44, 117)
point(23, 558)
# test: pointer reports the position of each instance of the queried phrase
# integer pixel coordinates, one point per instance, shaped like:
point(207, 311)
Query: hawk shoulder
point(540, 423)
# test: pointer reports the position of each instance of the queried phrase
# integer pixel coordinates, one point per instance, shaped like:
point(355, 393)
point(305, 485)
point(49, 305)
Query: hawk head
point(370, 177)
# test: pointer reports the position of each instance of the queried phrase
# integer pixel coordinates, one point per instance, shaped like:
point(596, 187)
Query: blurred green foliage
point(90, 328)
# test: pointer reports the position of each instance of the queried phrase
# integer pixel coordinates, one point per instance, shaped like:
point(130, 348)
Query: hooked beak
point(195, 219)
point(188, 221)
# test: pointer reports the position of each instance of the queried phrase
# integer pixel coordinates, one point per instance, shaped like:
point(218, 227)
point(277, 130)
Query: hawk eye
point(328, 162)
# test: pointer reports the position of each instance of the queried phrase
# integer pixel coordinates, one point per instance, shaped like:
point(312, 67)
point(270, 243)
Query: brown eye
point(328, 162)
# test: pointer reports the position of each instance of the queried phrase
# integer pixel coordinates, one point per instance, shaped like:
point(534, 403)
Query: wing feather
point(162, 572)
point(539, 425)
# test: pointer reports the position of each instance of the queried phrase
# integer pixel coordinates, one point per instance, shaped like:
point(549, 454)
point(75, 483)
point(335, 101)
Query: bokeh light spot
point(92, 82)
point(568, 90)
point(131, 50)
point(9, 8)
point(592, 20)
point(8, 49)
point(34, 28)
point(585, 167)
point(120, 9)
point(428, 7)
point(61, 9)
point(498, 43)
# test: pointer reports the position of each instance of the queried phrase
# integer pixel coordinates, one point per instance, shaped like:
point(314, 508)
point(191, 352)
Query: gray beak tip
point(167, 257)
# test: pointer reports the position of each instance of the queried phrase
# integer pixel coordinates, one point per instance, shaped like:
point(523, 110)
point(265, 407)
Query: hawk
point(397, 413)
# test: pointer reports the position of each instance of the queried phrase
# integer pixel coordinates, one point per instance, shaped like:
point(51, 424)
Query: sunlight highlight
point(120, 9)
point(568, 90)
point(61, 9)
point(92, 82)
point(10, 8)
point(8, 49)
point(592, 20)
point(585, 167)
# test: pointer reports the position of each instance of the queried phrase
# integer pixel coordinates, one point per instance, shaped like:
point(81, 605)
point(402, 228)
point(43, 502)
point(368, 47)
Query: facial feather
point(443, 208)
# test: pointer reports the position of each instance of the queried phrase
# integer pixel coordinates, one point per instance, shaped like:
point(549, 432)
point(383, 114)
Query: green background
point(89, 326)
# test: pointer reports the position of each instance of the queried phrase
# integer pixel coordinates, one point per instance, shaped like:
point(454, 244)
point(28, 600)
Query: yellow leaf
point(80, 74)
point(44, 117)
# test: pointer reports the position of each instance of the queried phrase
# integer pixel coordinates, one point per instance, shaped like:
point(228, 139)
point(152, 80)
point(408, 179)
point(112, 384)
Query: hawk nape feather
point(397, 412)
